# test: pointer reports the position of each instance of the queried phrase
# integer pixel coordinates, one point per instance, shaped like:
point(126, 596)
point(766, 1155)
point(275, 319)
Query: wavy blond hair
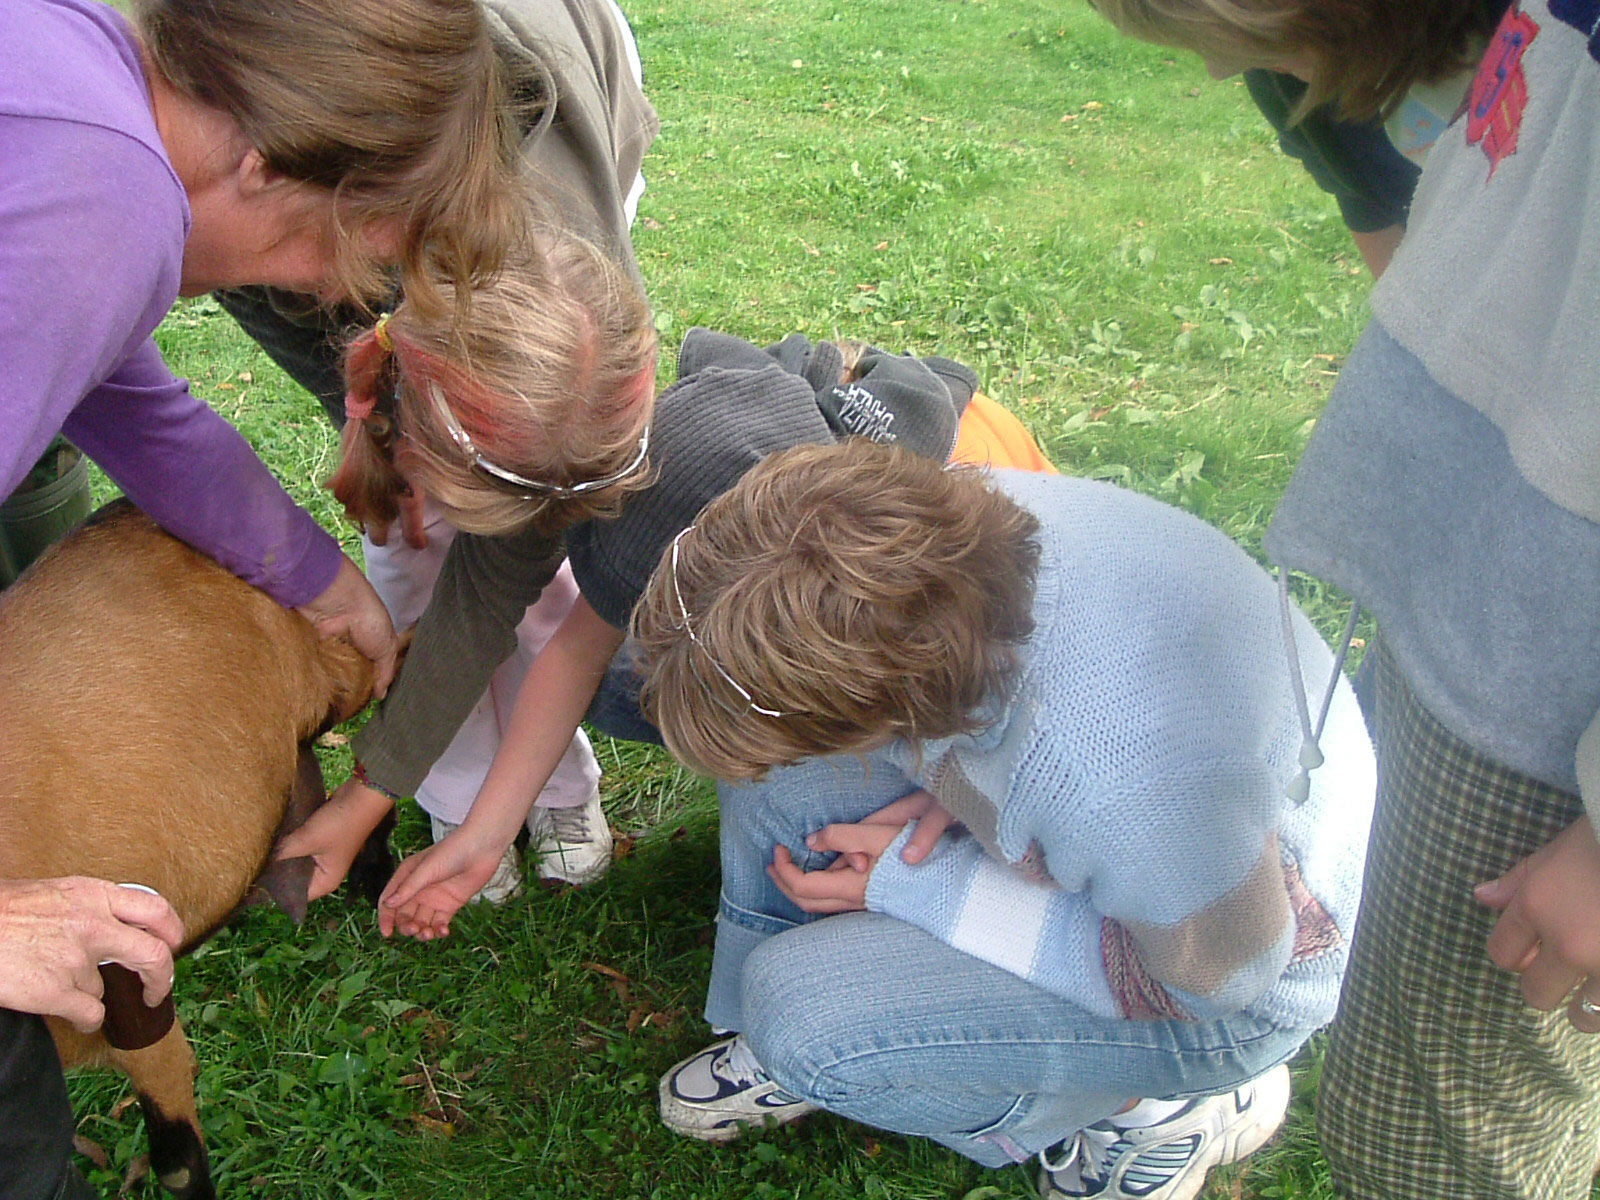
point(551, 375)
point(1364, 54)
point(859, 589)
point(399, 108)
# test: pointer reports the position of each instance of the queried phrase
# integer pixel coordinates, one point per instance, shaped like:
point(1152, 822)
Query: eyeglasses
point(558, 491)
point(683, 619)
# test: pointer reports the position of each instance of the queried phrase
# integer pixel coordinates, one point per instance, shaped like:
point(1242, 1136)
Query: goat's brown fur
point(152, 711)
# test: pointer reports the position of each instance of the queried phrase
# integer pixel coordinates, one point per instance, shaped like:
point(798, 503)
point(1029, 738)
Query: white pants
point(404, 579)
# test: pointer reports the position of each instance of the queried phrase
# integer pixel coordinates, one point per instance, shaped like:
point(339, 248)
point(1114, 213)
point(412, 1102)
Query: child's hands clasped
point(431, 886)
point(842, 885)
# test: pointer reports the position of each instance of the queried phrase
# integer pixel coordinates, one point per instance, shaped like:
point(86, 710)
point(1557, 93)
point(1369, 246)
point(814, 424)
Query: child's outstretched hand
point(842, 885)
point(431, 886)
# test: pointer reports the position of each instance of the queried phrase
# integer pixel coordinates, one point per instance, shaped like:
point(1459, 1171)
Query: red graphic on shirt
point(1500, 91)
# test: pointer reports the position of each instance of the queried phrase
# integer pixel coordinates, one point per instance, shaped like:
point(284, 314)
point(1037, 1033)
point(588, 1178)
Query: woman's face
point(283, 238)
point(262, 228)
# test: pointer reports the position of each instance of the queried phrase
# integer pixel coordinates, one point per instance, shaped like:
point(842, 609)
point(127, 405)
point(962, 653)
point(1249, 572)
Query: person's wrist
point(372, 786)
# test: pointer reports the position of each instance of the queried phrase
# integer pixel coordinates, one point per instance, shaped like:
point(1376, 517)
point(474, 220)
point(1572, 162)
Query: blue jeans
point(875, 1020)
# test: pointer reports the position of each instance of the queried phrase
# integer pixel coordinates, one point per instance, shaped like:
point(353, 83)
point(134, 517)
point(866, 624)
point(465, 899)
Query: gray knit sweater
point(1451, 485)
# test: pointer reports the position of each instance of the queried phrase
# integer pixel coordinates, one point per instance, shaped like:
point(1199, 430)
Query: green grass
point(1111, 239)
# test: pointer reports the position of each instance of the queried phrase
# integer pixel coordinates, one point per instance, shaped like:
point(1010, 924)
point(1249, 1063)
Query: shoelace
point(1086, 1158)
point(571, 824)
point(740, 1064)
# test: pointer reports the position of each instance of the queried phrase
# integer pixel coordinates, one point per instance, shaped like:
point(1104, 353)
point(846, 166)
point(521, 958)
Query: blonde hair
point(860, 590)
point(1364, 54)
point(398, 107)
point(551, 376)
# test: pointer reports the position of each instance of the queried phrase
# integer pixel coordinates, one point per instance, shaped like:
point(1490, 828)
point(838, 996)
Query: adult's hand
point(350, 607)
point(1549, 926)
point(335, 833)
point(54, 933)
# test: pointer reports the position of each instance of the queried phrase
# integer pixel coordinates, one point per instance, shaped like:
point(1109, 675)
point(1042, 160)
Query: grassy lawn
point(1115, 243)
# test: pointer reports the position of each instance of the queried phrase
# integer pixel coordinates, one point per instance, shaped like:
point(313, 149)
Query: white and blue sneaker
point(1168, 1158)
point(720, 1092)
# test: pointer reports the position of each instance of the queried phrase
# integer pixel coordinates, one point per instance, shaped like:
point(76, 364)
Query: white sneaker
point(1169, 1159)
point(506, 881)
point(573, 844)
point(721, 1091)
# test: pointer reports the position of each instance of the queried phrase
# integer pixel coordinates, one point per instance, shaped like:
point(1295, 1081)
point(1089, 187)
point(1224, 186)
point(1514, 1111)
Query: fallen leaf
point(881, 246)
point(136, 1173)
point(93, 1151)
point(1221, 262)
point(433, 1124)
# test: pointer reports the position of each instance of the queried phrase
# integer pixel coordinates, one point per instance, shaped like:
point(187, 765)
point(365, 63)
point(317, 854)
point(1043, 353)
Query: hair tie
point(359, 408)
point(381, 332)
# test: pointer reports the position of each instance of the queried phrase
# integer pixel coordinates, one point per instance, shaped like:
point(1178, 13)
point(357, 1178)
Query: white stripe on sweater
point(1001, 917)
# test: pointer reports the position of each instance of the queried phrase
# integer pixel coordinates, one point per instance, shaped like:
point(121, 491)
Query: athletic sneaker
point(718, 1093)
point(506, 881)
point(1168, 1159)
point(573, 845)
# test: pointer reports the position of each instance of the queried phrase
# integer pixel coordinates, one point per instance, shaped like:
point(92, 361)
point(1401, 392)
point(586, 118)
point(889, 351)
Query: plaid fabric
point(1440, 1081)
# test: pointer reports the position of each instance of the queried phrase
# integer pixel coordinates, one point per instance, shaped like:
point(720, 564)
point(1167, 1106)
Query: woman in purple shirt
point(308, 144)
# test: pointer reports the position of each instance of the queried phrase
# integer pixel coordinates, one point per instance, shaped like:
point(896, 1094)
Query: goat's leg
point(163, 1078)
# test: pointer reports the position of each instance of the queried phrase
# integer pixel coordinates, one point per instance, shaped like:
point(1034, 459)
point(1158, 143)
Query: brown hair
point(1364, 54)
point(861, 590)
point(398, 107)
point(551, 376)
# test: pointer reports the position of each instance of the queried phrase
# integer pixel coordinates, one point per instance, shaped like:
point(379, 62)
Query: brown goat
point(154, 713)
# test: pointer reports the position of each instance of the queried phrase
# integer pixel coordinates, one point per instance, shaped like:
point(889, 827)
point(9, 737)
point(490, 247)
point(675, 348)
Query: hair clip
point(542, 488)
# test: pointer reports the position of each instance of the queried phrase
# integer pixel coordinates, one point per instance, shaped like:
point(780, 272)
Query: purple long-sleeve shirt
point(93, 221)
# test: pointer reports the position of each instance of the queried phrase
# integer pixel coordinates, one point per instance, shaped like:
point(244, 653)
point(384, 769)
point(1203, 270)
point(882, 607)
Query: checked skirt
point(1440, 1081)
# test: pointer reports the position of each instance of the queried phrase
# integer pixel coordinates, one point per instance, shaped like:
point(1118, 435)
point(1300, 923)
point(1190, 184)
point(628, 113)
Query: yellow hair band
point(381, 332)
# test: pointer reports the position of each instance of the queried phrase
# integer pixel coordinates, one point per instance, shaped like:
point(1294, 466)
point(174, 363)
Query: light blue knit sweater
point(1131, 846)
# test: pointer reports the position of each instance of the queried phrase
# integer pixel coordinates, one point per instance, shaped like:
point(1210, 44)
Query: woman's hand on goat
point(431, 886)
point(335, 833)
point(54, 933)
point(350, 607)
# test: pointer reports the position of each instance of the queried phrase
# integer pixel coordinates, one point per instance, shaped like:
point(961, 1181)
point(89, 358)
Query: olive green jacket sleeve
point(468, 629)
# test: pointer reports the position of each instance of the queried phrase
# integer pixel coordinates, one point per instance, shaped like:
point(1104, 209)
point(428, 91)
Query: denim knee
point(800, 1033)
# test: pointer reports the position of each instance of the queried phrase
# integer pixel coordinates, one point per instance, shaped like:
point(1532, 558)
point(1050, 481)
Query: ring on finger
point(1589, 1007)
